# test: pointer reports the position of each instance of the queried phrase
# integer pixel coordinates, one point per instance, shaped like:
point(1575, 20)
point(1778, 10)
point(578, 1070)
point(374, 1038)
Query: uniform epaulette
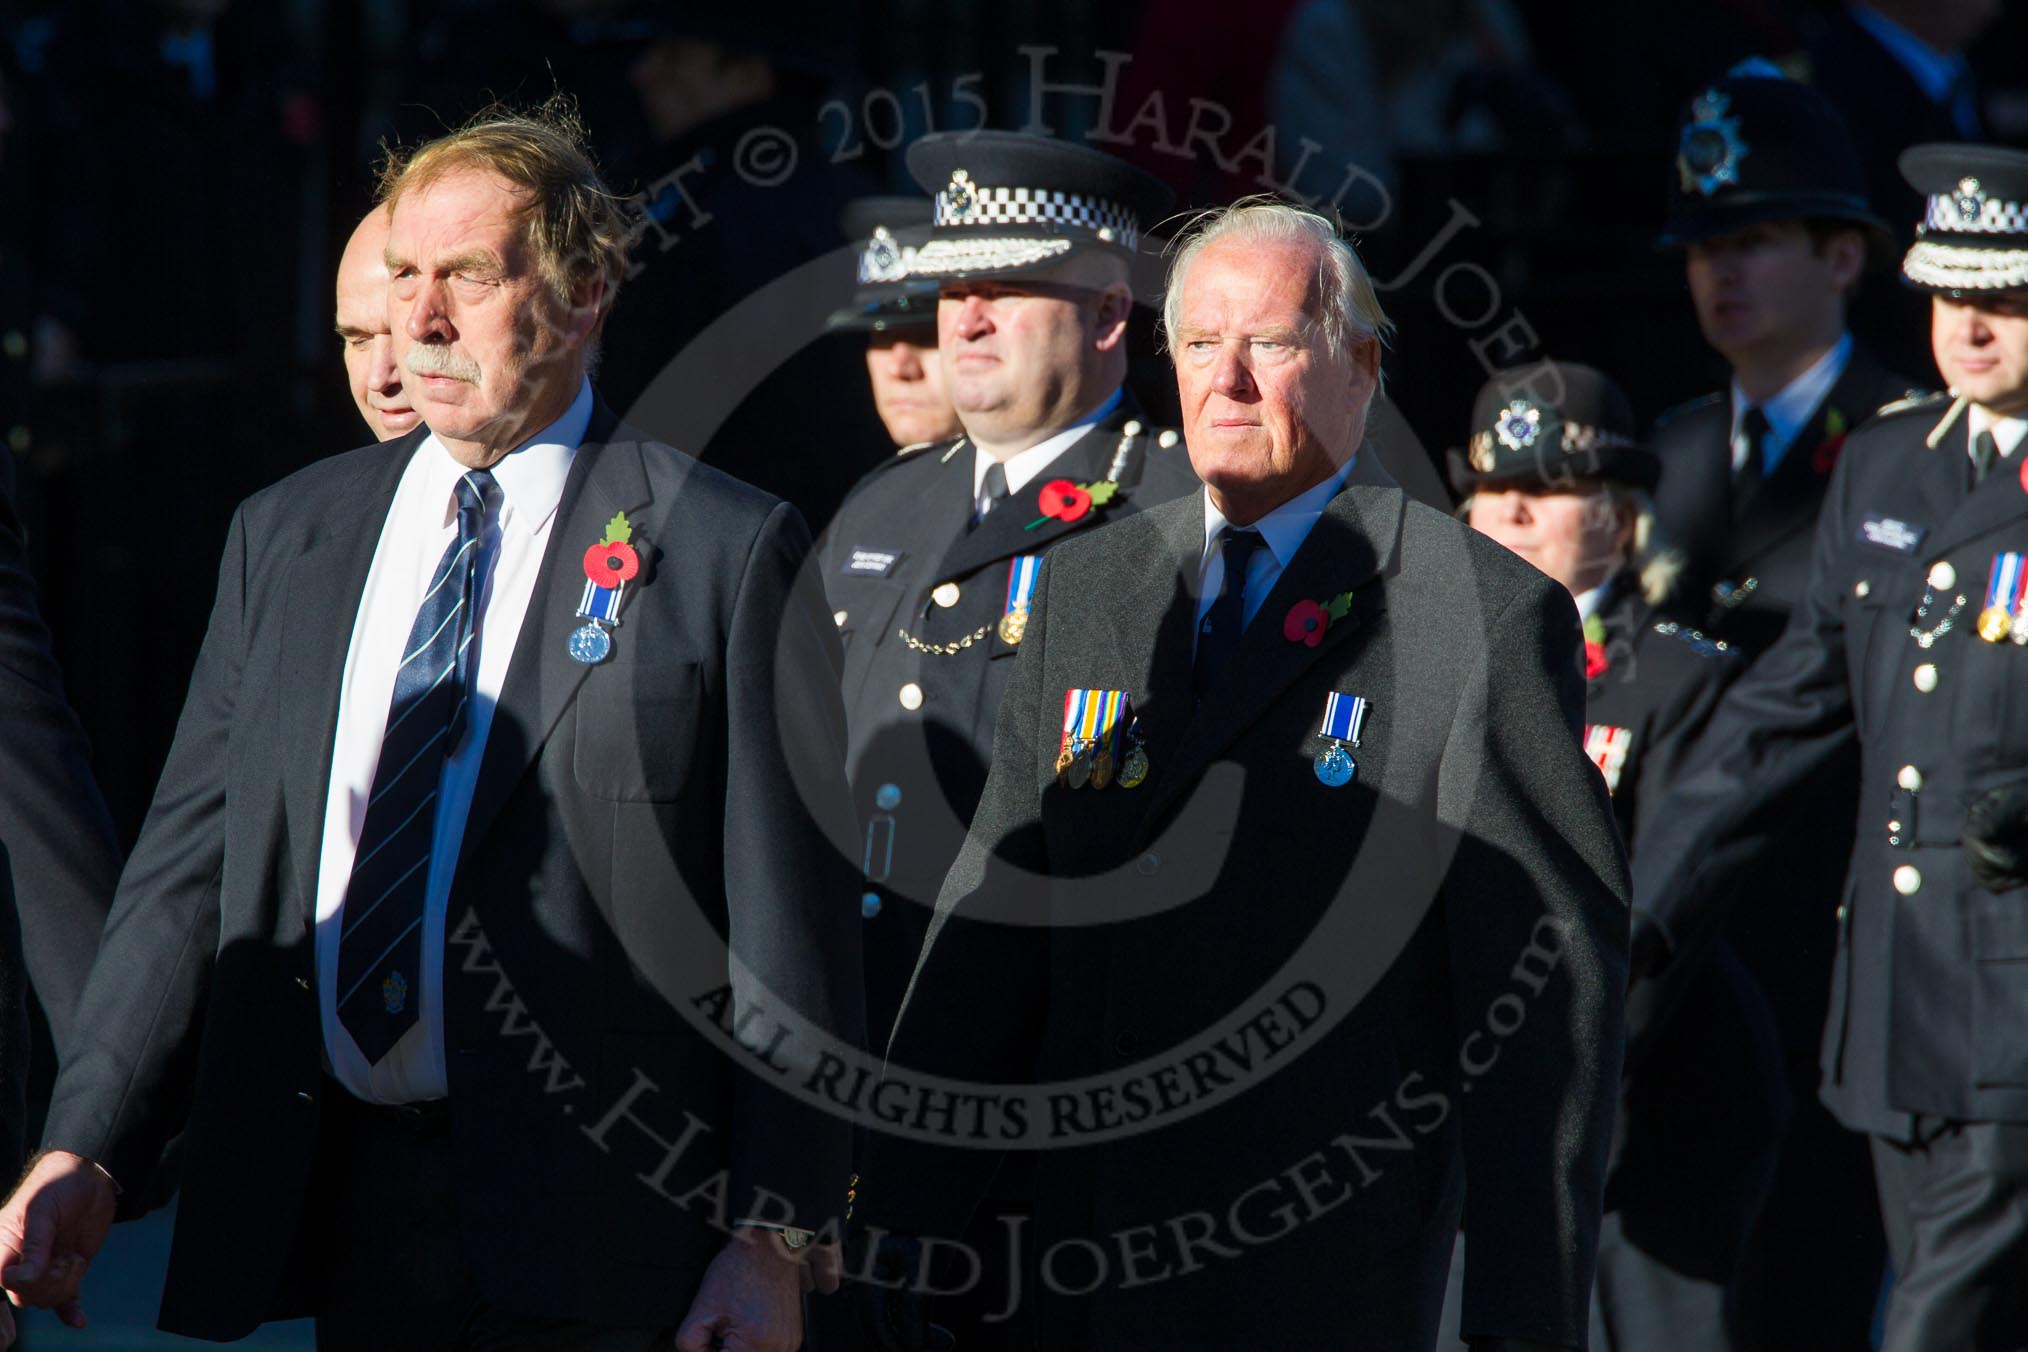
point(1688, 406)
point(1912, 400)
point(1699, 643)
point(915, 452)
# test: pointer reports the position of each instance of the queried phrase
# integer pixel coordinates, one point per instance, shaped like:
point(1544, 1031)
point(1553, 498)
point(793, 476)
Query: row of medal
point(2005, 616)
point(1094, 724)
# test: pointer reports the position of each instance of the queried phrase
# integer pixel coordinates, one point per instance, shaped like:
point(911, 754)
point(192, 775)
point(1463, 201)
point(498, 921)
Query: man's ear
point(587, 304)
point(1109, 324)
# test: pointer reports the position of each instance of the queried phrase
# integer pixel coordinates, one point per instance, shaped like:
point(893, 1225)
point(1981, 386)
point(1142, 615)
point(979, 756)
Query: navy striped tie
point(380, 935)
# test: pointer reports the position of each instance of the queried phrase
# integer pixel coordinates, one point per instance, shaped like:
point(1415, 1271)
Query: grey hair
point(1351, 313)
point(1649, 556)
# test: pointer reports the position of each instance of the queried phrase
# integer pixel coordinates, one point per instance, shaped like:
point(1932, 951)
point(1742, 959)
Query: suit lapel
point(1352, 543)
point(606, 476)
point(327, 580)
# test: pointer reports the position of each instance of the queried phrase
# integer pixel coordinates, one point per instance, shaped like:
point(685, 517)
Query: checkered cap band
point(1996, 217)
point(1954, 268)
point(995, 207)
point(948, 257)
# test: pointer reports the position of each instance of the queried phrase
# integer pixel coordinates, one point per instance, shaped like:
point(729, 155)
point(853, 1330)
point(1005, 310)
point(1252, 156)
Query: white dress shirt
point(421, 523)
point(1788, 413)
point(1026, 465)
point(1282, 530)
point(2007, 432)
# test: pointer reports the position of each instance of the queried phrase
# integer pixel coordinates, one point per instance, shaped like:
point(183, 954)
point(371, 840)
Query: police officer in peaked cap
point(930, 563)
point(1910, 640)
point(898, 315)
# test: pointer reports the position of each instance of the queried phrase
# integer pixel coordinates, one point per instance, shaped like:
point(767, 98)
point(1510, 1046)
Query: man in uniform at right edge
point(1767, 204)
point(1911, 639)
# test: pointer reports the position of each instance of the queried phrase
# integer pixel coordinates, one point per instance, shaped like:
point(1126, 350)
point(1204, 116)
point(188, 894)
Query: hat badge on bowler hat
point(1710, 149)
point(1755, 146)
point(1009, 201)
point(1973, 236)
point(1549, 426)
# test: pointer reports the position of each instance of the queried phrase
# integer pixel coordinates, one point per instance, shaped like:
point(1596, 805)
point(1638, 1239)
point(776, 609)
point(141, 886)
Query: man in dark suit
point(1287, 818)
point(1768, 205)
point(495, 860)
point(1700, 1119)
point(1908, 642)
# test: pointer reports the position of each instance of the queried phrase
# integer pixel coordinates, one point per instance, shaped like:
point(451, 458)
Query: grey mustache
point(431, 360)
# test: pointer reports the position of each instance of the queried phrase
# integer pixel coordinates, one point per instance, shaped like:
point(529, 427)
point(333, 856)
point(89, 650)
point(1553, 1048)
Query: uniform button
point(1132, 426)
point(1942, 576)
point(1168, 438)
point(1147, 864)
point(887, 797)
point(1894, 827)
point(304, 1096)
point(302, 983)
point(911, 696)
point(1925, 677)
point(1908, 880)
point(869, 905)
point(1910, 778)
point(1861, 587)
point(946, 594)
point(838, 618)
point(1843, 912)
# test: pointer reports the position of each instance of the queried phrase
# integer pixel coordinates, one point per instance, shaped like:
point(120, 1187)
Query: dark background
point(178, 177)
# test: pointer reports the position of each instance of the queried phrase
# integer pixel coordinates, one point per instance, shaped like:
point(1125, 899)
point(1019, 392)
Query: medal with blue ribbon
point(2002, 615)
point(608, 566)
point(1093, 723)
point(1021, 576)
point(1344, 715)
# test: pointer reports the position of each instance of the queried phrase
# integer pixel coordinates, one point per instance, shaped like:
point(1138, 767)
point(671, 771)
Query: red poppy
point(1306, 623)
point(1064, 500)
point(1594, 659)
point(1826, 455)
point(2024, 475)
point(611, 564)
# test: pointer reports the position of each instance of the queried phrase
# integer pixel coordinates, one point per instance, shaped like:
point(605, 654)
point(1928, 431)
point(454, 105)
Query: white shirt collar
point(1025, 465)
point(531, 476)
point(1285, 528)
point(1934, 72)
point(1789, 412)
point(2007, 432)
point(1591, 602)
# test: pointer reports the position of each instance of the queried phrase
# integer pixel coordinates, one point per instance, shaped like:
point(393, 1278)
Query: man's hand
point(751, 1299)
point(50, 1230)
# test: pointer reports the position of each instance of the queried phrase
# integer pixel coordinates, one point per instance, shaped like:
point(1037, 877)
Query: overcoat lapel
point(327, 580)
point(2000, 501)
point(605, 477)
point(1353, 543)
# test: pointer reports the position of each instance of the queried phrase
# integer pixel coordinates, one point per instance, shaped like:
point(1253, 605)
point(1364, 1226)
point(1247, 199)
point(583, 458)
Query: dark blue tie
point(1218, 636)
point(380, 935)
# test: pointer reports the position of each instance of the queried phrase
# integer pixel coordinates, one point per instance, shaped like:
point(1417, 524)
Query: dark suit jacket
point(1739, 583)
point(629, 818)
point(1929, 1000)
point(62, 857)
point(919, 508)
point(1192, 907)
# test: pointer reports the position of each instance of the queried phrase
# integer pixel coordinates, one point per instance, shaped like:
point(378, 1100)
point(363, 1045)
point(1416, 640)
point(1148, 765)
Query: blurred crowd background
point(178, 177)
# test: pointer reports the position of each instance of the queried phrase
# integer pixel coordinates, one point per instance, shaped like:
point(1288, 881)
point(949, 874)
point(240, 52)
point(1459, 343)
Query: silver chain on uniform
point(1925, 638)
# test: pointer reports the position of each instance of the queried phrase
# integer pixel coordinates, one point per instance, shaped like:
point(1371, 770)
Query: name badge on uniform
point(1021, 576)
point(1884, 532)
point(2005, 615)
point(1344, 716)
point(864, 562)
point(1608, 746)
point(1094, 722)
